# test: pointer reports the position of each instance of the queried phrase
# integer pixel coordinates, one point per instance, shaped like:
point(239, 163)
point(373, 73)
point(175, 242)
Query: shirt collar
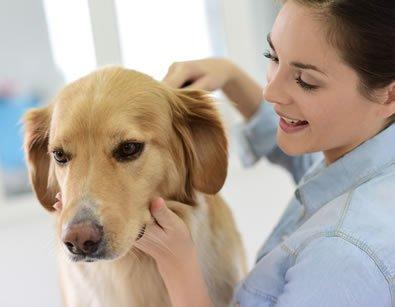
point(324, 183)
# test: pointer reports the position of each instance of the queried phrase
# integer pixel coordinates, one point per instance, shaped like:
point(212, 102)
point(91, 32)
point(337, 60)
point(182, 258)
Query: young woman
point(331, 81)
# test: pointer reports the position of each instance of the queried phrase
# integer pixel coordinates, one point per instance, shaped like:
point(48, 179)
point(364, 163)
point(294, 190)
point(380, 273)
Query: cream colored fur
point(184, 160)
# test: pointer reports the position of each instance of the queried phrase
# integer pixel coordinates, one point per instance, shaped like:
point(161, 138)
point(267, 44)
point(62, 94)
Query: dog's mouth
point(101, 254)
point(141, 232)
point(86, 258)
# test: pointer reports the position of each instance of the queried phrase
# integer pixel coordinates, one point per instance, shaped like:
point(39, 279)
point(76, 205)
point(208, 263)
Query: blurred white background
point(48, 43)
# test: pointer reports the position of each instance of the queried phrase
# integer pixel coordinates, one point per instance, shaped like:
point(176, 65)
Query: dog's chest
point(120, 284)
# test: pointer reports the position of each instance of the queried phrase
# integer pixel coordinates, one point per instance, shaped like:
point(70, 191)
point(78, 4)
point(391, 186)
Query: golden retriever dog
point(109, 143)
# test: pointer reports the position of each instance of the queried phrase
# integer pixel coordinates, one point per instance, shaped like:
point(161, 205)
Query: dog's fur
point(184, 159)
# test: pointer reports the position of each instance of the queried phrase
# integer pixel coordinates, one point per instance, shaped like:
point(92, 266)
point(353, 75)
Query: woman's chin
point(292, 149)
point(286, 147)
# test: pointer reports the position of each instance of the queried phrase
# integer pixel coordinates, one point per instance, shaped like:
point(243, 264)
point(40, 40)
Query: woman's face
point(308, 81)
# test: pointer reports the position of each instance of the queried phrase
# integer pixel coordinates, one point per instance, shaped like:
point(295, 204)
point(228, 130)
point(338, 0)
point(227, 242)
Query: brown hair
point(364, 33)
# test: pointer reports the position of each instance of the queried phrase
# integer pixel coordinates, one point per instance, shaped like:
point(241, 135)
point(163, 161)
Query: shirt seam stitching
point(372, 174)
point(363, 246)
point(288, 249)
point(373, 171)
point(345, 210)
point(255, 291)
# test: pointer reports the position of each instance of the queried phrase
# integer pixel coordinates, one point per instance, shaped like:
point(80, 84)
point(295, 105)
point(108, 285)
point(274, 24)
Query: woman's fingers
point(206, 74)
point(168, 238)
point(58, 196)
point(148, 243)
point(58, 205)
point(162, 215)
point(203, 83)
point(177, 75)
point(185, 74)
point(174, 80)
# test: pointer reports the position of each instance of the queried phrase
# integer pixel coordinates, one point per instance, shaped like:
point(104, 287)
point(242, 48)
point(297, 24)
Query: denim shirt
point(335, 243)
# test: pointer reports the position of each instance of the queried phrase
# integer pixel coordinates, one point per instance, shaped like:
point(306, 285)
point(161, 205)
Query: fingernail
point(57, 206)
point(157, 203)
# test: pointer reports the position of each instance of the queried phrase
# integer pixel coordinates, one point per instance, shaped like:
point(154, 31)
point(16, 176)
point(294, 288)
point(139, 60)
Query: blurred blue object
point(12, 164)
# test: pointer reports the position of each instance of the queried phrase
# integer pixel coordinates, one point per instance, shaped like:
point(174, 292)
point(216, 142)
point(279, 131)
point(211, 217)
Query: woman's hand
point(58, 205)
point(169, 242)
point(217, 73)
point(206, 74)
point(168, 239)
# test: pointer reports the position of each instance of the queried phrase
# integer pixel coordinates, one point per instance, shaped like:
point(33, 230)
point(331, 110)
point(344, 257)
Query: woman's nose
point(275, 90)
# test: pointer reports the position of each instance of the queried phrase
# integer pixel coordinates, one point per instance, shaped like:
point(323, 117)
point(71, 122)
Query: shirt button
point(284, 237)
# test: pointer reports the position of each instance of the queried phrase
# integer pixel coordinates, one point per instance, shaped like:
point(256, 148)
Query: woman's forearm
point(185, 283)
point(244, 91)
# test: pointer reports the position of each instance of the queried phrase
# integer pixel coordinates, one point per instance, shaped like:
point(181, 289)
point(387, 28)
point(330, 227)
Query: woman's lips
point(291, 128)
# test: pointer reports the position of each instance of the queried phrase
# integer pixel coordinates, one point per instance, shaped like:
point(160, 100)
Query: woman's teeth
point(293, 121)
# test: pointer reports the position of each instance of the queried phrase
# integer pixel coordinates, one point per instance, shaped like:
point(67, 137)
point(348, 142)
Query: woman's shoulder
point(370, 207)
point(369, 216)
point(363, 217)
point(320, 261)
point(364, 208)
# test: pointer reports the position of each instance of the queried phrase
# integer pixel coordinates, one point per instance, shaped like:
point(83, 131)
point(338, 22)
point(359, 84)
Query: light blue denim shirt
point(335, 243)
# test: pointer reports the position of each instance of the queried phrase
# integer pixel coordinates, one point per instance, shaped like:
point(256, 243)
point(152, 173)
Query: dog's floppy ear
point(36, 136)
point(197, 122)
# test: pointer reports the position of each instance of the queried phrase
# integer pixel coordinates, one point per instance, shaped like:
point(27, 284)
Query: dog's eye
point(60, 156)
point(128, 151)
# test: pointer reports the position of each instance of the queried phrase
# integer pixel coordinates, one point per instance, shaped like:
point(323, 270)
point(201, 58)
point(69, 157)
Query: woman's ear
point(198, 124)
point(391, 101)
point(385, 99)
point(37, 122)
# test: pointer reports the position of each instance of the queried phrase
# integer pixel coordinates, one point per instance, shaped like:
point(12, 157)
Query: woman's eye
point(60, 156)
point(304, 85)
point(271, 57)
point(128, 151)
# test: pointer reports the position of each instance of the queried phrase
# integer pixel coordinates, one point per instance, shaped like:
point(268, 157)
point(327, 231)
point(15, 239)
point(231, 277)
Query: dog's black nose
point(83, 238)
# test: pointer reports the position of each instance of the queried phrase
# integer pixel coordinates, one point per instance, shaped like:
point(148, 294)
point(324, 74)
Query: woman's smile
point(290, 126)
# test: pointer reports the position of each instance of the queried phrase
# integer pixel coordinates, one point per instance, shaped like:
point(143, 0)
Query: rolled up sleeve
point(256, 137)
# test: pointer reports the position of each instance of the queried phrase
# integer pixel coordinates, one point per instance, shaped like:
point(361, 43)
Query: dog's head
point(112, 141)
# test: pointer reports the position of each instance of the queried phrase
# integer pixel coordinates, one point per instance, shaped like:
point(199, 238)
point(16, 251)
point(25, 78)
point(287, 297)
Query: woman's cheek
point(271, 69)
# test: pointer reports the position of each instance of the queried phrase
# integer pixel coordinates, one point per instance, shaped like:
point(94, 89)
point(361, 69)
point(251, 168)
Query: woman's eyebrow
point(296, 64)
point(307, 66)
